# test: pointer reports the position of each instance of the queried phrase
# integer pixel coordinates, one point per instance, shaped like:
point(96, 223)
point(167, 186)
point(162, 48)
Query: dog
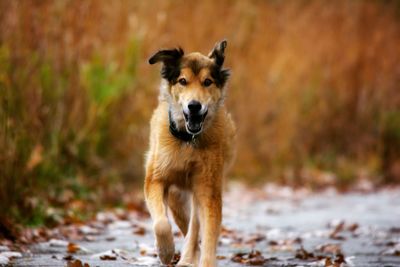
point(191, 147)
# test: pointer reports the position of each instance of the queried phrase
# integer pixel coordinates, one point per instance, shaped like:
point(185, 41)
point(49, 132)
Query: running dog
point(192, 140)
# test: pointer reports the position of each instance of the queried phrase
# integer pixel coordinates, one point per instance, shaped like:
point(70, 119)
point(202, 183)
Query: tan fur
point(188, 177)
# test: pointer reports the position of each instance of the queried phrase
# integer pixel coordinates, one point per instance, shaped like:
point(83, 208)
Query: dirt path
point(282, 227)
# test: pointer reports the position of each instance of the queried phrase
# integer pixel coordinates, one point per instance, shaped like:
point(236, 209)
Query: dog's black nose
point(194, 106)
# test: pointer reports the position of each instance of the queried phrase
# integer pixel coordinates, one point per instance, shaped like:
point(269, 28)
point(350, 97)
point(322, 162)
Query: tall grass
point(315, 86)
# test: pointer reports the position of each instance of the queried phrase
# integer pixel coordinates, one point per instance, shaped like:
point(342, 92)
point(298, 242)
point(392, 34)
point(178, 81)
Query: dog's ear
point(166, 56)
point(218, 53)
point(219, 74)
point(171, 60)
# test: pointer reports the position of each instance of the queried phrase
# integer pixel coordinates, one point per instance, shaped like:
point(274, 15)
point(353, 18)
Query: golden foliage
point(315, 84)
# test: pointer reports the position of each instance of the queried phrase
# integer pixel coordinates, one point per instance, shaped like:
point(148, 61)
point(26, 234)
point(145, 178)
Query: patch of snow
point(87, 230)
point(104, 253)
point(4, 260)
point(120, 225)
point(146, 261)
point(58, 243)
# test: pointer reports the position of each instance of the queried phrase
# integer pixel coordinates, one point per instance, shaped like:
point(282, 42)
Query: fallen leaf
point(336, 237)
point(110, 238)
point(303, 254)
point(272, 243)
point(335, 233)
point(258, 260)
point(255, 239)
point(238, 257)
point(394, 230)
point(140, 231)
point(68, 257)
point(108, 257)
point(253, 258)
point(226, 232)
point(339, 259)
point(329, 248)
point(328, 262)
point(353, 227)
point(76, 263)
point(72, 248)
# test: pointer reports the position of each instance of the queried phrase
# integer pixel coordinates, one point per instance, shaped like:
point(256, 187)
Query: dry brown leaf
point(303, 254)
point(329, 248)
point(256, 261)
point(328, 262)
point(255, 239)
point(225, 232)
point(110, 238)
point(108, 257)
point(238, 257)
point(394, 230)
point(353, 227)
point(253, 258)
point(339, 259)
point(72, 248)
point(140, 231)
point(77, 263)
point(68, 257)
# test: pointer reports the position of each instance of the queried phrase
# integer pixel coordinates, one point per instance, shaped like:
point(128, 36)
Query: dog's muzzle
point(194, 117)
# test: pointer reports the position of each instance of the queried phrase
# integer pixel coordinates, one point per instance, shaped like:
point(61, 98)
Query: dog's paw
point(189, 258)
point(208, 262)
point(164, 241)
point(185, 264)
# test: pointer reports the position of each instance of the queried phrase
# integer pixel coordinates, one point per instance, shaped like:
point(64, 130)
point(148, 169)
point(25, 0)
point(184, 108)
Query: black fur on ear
point(220, 75)
point(218, 53)
point(171, 61)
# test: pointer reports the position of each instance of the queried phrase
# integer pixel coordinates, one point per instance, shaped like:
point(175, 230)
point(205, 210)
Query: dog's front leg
point(190, 251)
point(209, 198)
point(155, 199)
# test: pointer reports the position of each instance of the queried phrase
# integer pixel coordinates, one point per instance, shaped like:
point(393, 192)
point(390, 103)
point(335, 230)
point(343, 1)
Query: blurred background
point(314, 91)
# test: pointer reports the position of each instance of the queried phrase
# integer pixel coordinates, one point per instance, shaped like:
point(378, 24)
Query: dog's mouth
point(194, 122)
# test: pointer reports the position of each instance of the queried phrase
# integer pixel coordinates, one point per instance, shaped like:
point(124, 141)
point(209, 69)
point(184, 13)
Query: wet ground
point(270, 226)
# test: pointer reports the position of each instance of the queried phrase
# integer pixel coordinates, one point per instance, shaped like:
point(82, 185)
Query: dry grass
point(315, 86)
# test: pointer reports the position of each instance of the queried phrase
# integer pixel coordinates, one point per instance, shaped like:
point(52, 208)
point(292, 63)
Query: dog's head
point(195, 83)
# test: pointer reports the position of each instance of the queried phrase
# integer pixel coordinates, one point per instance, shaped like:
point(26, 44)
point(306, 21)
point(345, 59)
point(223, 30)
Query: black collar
point(181, 135)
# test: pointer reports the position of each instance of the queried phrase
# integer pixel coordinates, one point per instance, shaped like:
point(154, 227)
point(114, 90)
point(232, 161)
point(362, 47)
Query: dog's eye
point(182, 81)
point(207, 82)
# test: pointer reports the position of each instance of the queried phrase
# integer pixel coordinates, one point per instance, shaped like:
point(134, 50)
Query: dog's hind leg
point(155, 199)
point(179, 204)
point(191, 251)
